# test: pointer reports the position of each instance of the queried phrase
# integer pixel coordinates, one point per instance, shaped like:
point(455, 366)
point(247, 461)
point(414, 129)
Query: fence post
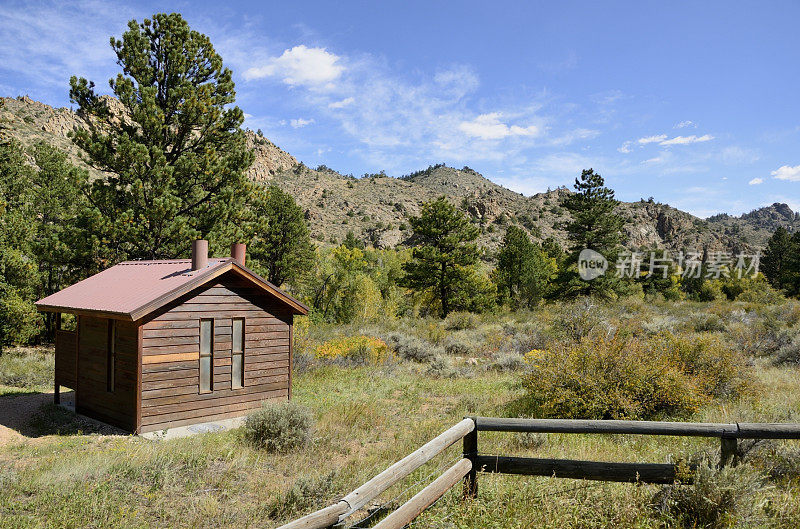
point(471, 453)
point(728, 447)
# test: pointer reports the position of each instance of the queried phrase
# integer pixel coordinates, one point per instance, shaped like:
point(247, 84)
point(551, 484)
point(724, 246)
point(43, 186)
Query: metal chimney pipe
point(238, 252)
point(199, 254)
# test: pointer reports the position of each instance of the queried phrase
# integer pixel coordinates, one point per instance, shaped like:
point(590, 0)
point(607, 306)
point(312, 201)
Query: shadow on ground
point(35, 415)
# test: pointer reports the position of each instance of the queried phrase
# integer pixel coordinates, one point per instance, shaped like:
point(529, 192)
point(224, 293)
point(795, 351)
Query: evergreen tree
point(351, 242)
point(172, 146)
point(775, 263)
point(444, 254)
point(281, 245)
point(792, 275)
point(551, 249)
point(595, 225)
point(523, 270)
point(43, 246)
point(18, 317)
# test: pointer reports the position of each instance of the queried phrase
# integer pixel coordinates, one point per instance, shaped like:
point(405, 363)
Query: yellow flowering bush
point(630, 378)
point(360, 349)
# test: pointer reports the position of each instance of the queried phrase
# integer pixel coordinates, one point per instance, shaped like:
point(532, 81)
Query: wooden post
point(57, 388)
point(471, 453)
point(727, 451)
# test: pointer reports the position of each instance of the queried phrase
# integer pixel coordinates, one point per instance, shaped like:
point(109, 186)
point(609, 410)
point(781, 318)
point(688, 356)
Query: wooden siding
point(66, 358)
point(170, 391)
point(93, 399)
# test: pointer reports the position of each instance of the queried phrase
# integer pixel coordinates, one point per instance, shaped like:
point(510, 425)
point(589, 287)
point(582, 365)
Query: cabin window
point(111, 355)
point(206, 356)
point(237, 354)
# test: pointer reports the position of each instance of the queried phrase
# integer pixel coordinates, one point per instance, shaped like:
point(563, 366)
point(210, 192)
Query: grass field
point(368, 416)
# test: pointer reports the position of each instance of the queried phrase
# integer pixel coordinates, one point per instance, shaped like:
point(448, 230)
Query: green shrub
point(579, 319)
point(781, 463)
point(508, 362)
point(459, 321)
point(706, 322)
point(441, 367)
point(410, 347)
point(278, 427)
point(305, 494)
point(457, 345)
point(631, 378)
point(710, 291)
point(719, 370)
point(789, 353)
point(717, 498)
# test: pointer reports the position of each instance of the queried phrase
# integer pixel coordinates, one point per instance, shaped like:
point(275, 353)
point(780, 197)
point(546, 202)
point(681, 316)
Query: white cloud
point(787, 172)
point(686, 140)
point(300, 122)
point(42, 44)
point(459, 80)
point(343, 103)
point(301, 65)
point(626, 147)
point(755, 181)
point(489, 127)
point(734, 155)
point(652, 139)
point(684, 124)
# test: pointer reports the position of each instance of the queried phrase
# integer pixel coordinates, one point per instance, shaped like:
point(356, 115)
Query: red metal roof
point(133, 289)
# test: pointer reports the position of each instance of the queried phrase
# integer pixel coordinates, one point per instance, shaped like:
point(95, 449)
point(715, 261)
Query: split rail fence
point(473, 462)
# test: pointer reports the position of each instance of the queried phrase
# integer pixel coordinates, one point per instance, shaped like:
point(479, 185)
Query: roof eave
point(299, 307)
point(125, 316)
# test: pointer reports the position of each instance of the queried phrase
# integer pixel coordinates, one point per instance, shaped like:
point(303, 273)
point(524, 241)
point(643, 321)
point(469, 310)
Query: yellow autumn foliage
point(361, 349)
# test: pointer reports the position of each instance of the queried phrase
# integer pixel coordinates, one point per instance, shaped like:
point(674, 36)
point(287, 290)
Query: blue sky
point(693, 103)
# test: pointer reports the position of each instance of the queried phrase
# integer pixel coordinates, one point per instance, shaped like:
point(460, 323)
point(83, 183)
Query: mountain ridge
point(377, 207)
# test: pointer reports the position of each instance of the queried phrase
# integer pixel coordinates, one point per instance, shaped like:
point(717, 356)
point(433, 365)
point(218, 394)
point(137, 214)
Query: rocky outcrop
point(377, 208)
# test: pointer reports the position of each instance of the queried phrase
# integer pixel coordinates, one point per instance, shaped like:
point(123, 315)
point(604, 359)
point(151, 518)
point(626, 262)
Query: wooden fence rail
point(373, 488)
point(473, 462)
point(728, 434)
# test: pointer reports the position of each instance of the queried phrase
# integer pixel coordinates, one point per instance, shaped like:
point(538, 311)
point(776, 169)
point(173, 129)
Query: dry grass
point(368, 417)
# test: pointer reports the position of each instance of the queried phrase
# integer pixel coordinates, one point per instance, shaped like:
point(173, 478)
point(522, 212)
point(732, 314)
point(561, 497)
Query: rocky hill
point(376, 208)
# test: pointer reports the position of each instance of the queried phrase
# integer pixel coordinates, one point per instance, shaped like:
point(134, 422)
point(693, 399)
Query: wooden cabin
point(161, 344)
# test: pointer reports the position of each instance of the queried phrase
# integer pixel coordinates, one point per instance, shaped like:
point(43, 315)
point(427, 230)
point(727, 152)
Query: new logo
point(591, 264)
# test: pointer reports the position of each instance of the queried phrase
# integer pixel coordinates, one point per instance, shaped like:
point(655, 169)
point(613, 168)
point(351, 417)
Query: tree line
point(172, 152)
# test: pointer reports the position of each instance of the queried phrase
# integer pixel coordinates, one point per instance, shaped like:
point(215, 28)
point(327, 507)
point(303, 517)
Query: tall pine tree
point(776, 261)
point(595, 225)
point(444, 254)
point(172, 147)
point(280, 245)
point(523, 271)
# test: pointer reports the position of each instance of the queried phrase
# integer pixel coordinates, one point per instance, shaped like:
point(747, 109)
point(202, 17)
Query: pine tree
point(792, 275)
point(171, 146)
point(281, 245)
point(595, 225)
point(351, 242)
point(775, 263)
point(523, 270)
point(444, 254)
